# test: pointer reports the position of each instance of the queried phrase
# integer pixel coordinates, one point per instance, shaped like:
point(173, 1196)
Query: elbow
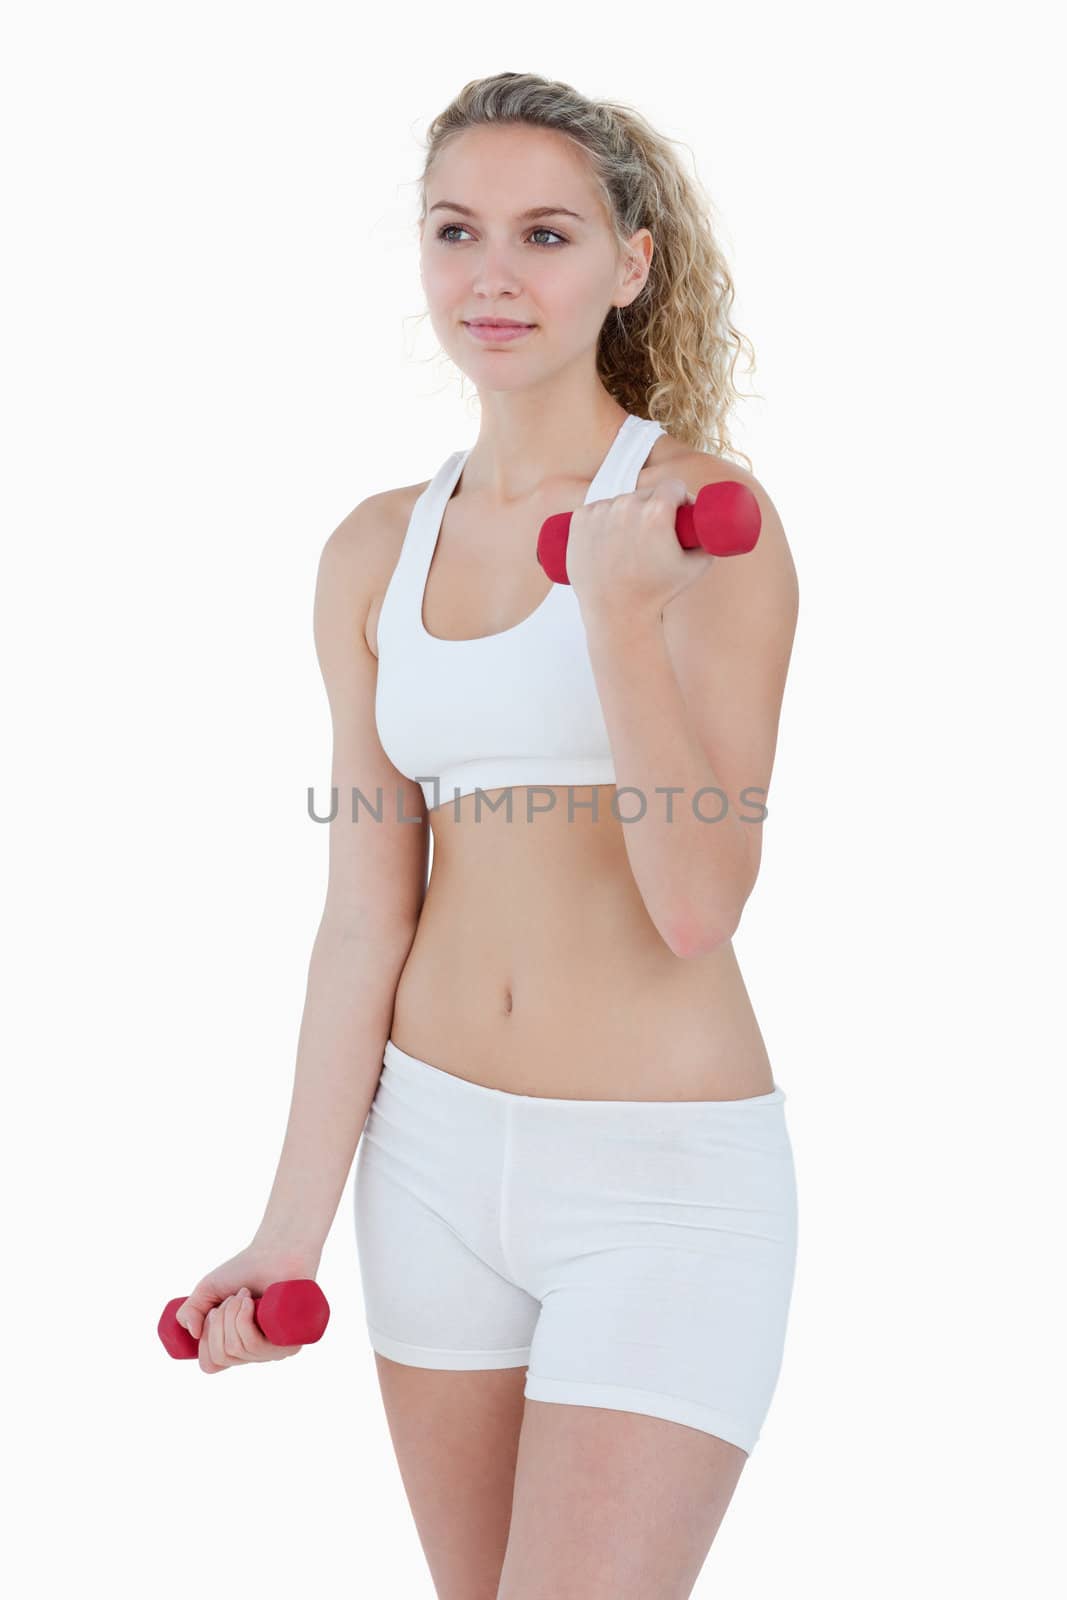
point(692, 933)
point(700, 925)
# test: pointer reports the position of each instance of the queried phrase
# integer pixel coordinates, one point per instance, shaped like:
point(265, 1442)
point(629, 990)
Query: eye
point(458, 227)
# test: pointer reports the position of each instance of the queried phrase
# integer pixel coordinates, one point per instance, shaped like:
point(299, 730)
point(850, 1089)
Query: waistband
point(431, 1077)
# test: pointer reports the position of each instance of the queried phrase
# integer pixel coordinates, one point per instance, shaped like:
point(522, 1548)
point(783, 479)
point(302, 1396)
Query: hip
point(643, 1167)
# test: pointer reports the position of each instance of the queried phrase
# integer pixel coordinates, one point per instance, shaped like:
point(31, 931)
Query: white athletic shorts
point(633, 1254)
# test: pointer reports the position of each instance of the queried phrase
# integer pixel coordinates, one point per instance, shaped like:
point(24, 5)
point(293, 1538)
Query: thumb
point(193, 1311)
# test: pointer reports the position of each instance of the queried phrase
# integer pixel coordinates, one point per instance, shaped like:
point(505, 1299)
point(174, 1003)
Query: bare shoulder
point(665, 454)
point(363, 549)
point(670, 458)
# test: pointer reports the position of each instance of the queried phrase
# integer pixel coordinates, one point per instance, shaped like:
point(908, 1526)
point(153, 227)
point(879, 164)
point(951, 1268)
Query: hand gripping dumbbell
point(294, 1311)
point(724, 520)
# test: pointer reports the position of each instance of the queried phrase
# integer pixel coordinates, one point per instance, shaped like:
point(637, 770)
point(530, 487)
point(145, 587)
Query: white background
point(211, 353)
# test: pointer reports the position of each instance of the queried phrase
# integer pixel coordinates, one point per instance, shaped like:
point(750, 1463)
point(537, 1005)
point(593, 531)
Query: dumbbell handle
point(294, 1311)
point(724, 520)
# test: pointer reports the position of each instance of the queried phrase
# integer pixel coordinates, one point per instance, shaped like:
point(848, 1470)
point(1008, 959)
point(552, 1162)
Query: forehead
point(506, 170)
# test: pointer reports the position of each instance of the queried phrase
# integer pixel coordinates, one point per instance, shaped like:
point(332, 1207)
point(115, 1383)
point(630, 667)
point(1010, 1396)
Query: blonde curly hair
point(670, 354)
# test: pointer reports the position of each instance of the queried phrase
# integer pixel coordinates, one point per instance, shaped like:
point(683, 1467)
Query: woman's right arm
point(376, 885)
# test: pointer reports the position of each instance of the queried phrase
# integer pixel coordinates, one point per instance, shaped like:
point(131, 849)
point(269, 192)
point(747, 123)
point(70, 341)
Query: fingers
point(254, 1344)
point(249, 1343)
point(231, 1336)
point(219, 1343)
point(210, 1354)
point(223, 1344)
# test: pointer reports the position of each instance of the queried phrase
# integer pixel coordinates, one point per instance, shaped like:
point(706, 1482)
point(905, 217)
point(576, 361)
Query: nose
point(494, 273)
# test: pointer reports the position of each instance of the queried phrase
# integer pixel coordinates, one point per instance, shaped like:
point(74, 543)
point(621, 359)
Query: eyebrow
point(523, 216)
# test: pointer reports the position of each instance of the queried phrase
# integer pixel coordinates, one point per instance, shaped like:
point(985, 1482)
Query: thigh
point(661, 1241)
point(456, 1437)
point(663, 1253)
point(613, 1505)
point(426, 1207)
point(450, 1330)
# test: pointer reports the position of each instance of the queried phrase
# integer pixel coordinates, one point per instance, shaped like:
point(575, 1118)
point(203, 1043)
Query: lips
point(499, 335)
point(496, 322)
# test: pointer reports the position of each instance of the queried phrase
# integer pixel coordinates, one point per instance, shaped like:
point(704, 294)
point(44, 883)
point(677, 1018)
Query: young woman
point(574, 1194)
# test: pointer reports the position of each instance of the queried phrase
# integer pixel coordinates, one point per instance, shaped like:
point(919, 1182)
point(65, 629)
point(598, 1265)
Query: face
point(561, 273)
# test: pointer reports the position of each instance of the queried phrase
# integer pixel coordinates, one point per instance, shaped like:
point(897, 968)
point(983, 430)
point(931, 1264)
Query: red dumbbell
point(294, 1311)
point(724, 520)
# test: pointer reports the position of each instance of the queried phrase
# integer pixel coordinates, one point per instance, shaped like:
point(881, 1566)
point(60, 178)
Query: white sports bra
point(508, 709)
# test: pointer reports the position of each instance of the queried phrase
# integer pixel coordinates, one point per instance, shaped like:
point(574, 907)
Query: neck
point(523, 441)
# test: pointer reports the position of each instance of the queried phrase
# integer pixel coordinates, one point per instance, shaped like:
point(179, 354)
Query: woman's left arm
point(692, 694)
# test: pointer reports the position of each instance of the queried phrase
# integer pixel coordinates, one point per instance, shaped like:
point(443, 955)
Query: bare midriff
point(535, 967)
